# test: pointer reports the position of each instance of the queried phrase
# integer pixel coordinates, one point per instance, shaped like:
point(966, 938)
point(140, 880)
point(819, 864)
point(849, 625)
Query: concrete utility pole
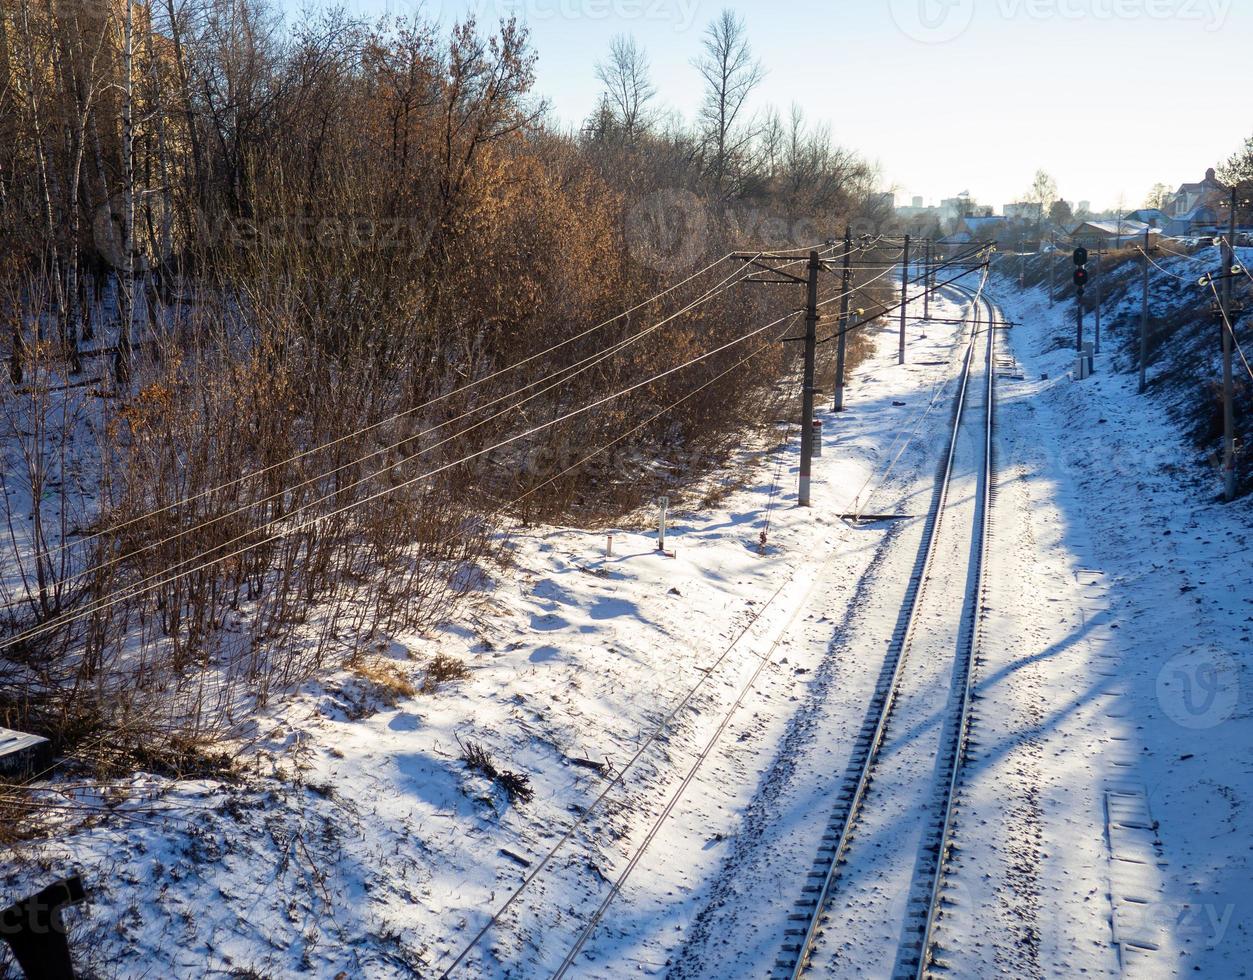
point(842, 344)
point(904, 299)
point(926, 284)
point(1144, 315)
point(807, 395)
point(1229, 418)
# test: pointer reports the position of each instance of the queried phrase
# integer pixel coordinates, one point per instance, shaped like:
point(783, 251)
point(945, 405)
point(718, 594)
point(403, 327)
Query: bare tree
point(1043, 191)
point(1239, 166)
point(731, 74)
point(628, 89)
point(1158, 197)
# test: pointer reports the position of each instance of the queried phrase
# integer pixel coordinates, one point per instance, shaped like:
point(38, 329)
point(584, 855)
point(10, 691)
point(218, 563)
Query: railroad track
point(917, 947)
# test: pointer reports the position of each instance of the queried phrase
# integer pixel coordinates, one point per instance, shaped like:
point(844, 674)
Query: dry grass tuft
point(441, 670)
point(517, 786)
point(389, 681)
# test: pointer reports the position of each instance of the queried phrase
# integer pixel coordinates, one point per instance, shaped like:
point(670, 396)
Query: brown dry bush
point(443, 669)
point(314, 442)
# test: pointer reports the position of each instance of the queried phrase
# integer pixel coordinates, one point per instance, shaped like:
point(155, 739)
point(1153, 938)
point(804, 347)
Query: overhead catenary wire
point(570, 371)
point(163, 578)
point(909, 435)
point(1227, 325)
point(722, 287)
point(871, 319)
point(394, 418)
point(534, 873)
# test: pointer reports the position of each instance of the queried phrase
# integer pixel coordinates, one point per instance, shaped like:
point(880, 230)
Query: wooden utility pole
point(1144, 315)
point(807, 394)
point(774, 271)
point(1229, 417)
point(904, 299)
point(841, 346)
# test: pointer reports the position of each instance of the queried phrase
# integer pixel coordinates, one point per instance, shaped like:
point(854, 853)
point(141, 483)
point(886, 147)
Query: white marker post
point(663, 506)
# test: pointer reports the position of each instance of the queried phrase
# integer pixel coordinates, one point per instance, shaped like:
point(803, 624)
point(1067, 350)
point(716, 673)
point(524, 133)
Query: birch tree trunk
point(121, 360)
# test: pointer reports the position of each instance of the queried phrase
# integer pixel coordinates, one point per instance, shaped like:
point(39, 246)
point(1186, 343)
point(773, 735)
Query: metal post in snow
point(663, 508)
point(926, 284)
point(904, 299)
point(1229, 421)
point(1053, 273)
point(807, 393)
point(841, 346)
point(1097, 338)
point(1082, 361)
point(1144, 315)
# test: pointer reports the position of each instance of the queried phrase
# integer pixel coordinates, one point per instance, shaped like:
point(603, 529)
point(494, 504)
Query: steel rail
point(799, 945)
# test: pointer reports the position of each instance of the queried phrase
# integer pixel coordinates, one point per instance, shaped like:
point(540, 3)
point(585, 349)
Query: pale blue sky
point(1110, 96)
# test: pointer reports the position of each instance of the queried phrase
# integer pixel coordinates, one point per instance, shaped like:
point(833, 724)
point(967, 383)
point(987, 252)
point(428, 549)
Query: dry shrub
point(517, 786)
point(441, 670)
point(388, 680)
point(315, 444)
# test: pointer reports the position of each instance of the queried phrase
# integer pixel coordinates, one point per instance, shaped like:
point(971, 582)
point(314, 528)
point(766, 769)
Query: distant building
point(1113, 234)
point(1024, 211)
point(917, 203)
point(1085, 207)
point(977, 228)
point(911, 212)
point(1153, 217)
point(1204, 219)
point(1209, 192)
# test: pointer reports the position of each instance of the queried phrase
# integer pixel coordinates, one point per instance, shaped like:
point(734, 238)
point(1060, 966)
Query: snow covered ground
point(361, 842)
point(1117, 676)
point(1114, 684)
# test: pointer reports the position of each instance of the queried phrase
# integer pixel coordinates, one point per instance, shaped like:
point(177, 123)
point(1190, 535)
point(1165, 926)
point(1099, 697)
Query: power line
point(725, 285)
point(150, 583)
point(583, 365)
point(1161, 268)
point(1227, 324)
point(409, 411)
point(617, 779)
point(871, 319)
